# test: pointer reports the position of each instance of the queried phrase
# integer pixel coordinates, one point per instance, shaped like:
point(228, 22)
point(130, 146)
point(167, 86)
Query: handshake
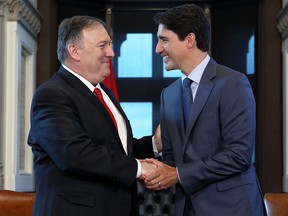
point(156, 175)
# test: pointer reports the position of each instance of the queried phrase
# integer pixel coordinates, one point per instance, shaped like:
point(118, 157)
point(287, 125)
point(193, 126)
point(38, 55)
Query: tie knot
point(187, 82)
point(97, 92)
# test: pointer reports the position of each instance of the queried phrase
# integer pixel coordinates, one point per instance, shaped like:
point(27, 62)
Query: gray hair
point(70, 31)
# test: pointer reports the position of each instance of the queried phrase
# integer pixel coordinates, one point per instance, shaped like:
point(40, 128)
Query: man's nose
point(110, 52)
point(159, 48)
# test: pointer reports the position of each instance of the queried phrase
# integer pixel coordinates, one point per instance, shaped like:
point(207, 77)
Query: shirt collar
point(196, 74)
point(82, 79)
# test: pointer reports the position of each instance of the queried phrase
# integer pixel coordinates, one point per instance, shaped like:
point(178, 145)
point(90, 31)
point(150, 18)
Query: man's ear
point(74, 52)
point(191, 40)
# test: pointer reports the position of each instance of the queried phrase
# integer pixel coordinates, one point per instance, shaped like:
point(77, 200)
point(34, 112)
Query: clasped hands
point(156, 175)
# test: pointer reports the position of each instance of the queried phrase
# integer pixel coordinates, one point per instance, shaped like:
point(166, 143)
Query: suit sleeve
point(143, 148)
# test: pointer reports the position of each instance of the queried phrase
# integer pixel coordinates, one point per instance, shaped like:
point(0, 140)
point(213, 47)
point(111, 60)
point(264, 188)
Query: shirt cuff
point(139, 170)
point(178, 175)
point(155, 150)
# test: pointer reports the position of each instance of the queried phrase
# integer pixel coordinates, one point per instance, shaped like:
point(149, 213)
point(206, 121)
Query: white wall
point(20, 26)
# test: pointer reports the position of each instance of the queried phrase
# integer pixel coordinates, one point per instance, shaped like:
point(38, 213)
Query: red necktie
point(99, 95)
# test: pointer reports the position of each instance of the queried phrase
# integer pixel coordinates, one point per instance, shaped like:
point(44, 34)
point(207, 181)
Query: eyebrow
point(104, 41)
point(162, 37)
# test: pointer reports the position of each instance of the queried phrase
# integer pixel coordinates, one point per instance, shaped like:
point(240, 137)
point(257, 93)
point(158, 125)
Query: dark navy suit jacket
point(214, 153)
point(80, 165)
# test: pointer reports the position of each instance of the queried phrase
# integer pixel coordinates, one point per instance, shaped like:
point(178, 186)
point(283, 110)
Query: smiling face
point(93, 53)
point(173, 50)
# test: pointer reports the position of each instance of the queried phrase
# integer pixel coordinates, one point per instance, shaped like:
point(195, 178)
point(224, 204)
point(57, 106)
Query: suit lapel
point(82, 89)
point(204, 89)
point(117, 104)
point(114, 100)
point(173, 108)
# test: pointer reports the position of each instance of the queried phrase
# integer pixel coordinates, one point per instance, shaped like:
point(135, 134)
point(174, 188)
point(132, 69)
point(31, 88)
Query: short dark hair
point(70, 31)
point(185, 19)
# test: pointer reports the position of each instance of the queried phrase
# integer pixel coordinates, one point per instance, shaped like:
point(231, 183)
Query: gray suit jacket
point(214, 155)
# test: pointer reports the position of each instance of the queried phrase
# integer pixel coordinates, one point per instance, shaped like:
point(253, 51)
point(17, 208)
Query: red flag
point(111, 82)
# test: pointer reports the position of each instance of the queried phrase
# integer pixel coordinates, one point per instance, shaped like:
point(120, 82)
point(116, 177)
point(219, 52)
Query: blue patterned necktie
point(187, 98)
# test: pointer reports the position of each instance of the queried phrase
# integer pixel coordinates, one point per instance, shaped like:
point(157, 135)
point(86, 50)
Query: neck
point(194, 61)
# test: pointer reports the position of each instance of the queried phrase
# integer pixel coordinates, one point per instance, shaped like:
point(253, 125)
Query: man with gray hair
point(84, 151)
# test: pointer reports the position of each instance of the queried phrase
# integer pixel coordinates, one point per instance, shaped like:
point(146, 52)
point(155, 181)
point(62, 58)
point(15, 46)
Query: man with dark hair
point(207, 124)
point(84, 152)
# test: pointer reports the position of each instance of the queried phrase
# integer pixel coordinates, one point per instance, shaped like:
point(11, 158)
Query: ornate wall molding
point(23, 11)
point(282, 19)
point(20, 23)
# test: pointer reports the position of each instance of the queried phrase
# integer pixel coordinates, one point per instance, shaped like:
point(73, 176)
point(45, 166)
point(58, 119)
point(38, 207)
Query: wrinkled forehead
point(96, 33)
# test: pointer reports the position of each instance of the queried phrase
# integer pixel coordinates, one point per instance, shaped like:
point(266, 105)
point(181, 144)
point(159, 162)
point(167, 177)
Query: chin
point(169, 68)
point(107, 73)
